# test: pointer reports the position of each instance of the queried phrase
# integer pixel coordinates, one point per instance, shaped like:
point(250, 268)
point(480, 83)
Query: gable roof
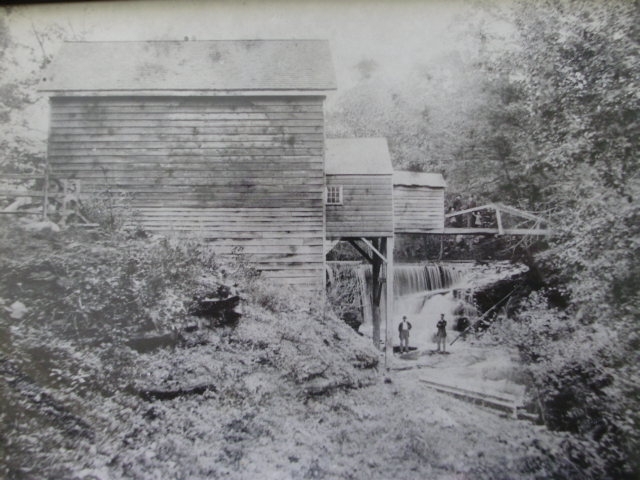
point(357, 156)
point(206, 66)
point(418, 179)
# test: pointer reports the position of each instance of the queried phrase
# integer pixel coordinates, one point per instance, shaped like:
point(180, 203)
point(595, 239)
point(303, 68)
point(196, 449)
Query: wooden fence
point(65, 194)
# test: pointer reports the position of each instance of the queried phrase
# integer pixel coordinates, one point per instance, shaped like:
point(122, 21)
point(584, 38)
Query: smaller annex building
point(359, 195)
point(418, 202)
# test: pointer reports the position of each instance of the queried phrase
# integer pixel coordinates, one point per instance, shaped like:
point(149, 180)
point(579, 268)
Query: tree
point(573, 143)
point(21, 64)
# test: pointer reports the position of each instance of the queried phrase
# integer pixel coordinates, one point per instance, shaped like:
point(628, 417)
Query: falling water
point(365, 294)
point(424, 292)
point(409, 279)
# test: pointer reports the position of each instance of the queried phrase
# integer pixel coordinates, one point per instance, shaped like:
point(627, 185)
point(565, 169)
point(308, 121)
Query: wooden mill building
point(225, 140)
point(220, 139)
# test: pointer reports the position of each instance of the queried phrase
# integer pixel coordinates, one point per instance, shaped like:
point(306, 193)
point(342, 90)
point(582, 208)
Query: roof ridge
point(205, 40)
point(207, 65)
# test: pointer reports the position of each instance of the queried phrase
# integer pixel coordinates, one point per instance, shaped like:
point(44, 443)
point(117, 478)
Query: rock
point(220, 306)
point(17, 310)
point(42, 226)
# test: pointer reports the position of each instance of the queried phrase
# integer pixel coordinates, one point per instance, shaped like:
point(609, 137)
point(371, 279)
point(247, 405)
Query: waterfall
point(417, 281)
point(365, 294)
point(410, 279)
point(423, 292)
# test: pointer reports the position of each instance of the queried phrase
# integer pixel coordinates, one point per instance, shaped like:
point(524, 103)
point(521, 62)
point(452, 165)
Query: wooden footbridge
point(489, 220)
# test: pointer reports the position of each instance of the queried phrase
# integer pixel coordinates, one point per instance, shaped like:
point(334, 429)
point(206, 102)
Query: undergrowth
point(70, 304)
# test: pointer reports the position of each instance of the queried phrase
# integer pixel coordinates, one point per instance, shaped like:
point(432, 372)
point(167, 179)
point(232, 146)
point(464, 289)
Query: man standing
point(403, 329)
point(441, 335)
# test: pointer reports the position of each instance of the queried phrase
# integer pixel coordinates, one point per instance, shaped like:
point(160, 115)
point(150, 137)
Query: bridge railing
point(478, 226)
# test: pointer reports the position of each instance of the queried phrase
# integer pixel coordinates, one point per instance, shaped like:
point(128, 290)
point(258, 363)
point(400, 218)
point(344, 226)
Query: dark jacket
point(408, 326)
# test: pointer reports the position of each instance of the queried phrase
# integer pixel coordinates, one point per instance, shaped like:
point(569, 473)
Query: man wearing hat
point(403, 329)
point(441, 335)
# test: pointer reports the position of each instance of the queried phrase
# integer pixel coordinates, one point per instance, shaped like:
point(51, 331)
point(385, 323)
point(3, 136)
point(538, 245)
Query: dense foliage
point(96, 327)
point(570, 99)
point(546, 118)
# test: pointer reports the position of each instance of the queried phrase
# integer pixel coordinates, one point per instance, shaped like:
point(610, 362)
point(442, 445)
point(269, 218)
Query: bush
point(96, 287)
point(575, 385)
point(78, 398)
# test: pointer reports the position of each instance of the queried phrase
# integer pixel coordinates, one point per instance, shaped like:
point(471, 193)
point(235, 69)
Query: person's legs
point(404, 341)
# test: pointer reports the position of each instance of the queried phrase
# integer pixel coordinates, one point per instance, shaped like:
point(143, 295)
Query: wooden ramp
point(502, 401)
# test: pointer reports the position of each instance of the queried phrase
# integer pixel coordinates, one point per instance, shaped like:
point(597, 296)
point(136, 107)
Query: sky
point(395, 39)
point(395, 34)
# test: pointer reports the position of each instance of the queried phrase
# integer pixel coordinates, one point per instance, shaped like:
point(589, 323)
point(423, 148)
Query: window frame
point(328, 197)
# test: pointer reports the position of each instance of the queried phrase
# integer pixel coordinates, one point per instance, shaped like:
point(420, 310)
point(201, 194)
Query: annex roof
point(418, 179)
point(204, 66)
point(357, 156)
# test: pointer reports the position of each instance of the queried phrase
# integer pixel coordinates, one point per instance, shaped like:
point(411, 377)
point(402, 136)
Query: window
point(334, 195)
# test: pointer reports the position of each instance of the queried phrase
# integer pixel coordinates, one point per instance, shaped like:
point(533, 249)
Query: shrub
point(576, 384)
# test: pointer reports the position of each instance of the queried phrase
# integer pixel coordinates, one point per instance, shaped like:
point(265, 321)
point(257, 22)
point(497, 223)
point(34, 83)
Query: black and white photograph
point(320, 239)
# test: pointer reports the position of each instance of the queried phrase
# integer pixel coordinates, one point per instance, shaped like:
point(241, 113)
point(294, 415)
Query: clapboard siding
point(239, 172)
point(418, 209)
point(367, 208)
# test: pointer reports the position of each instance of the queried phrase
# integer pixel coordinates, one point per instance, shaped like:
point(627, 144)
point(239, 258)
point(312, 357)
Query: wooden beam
point(329, 245)
point(376, 284)
point(493, 231)
point(520, 213)
point(360, 250)
point(376, 251)
point(389, 308)
point(490, 206)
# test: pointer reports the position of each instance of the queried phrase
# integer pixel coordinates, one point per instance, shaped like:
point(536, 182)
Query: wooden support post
point(45, 200)
point(499, 220)
point(361, 251)
point(376, 286)
point(389, 310)
point(375, 246)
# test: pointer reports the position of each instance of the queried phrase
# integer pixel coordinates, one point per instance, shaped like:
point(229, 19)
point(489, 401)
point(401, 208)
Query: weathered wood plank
point(179, 116)
point(172, 138)
point(275, 150)
point(195, 154)
point(190, 160)
point(105, 123)
point(191, 146)
point(255, 183)
point(210, 101)
point(179, 131)
point(227, 203)
point(193, 108)
point(361, 181)
point(97, 177)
